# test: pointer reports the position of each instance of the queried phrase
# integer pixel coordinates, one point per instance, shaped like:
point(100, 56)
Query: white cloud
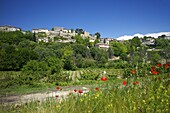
point(155, 35)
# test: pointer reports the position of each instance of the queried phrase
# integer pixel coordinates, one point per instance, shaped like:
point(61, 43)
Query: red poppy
point(124, 83)
point(103, 78)
point(153, 68)
point(159, 64)
point(155, 72)
point(57, 88)
point(75, 90)
point(137, 82)
point(96, 88)
point(168, 74)
point(166, 66)
point(80, 91)
point(133, 71)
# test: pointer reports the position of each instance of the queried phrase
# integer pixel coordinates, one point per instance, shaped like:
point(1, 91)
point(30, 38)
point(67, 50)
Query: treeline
point(19, 51)
point(44, 62)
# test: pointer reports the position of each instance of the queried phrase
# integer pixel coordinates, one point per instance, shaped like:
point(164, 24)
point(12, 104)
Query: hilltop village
point(63, 35)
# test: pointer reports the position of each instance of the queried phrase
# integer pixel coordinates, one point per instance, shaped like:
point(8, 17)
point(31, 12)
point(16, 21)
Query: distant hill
point(155, 35)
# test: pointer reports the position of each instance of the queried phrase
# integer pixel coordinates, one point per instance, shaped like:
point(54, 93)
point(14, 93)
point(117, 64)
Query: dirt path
point(42, 96)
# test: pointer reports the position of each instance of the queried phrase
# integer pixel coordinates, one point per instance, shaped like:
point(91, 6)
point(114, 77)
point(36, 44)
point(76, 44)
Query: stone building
point(9, 28)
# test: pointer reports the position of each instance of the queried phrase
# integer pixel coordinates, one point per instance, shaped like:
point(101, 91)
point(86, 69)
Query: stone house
point(9, 28)
point(41, 30)
point(102, 46)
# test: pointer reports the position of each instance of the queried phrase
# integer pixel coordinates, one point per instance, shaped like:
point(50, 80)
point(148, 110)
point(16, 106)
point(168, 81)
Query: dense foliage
point(46, 61)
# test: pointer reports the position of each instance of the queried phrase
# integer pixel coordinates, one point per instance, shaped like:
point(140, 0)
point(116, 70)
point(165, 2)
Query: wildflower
point(56, 96)
point(57, 88)
point(144, 101)
point(75, 90)
point(159, 64)
point(81, 100)
point(155, 72)
point(168, 75)
point(137, 82)
point(57, 106)
point(104, 79)
point(167, 66)
point(153, 68)
point(80, 91)
point(96, 88)
point(133, 71)
point(17, 105)
point(124, 83)
point(134, 108)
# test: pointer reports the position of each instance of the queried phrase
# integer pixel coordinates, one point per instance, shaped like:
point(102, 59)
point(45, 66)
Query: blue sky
point(112, 18)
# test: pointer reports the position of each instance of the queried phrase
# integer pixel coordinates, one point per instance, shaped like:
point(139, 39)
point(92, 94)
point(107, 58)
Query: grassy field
point(79, 77)
point(134, 95)
point(108, 94)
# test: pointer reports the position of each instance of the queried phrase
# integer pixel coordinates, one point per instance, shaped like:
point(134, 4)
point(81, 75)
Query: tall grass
point(140, 95)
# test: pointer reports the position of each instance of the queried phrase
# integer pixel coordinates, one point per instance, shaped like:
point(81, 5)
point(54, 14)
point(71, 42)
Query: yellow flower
point(57, 106)
point(153, 98)
point(110, 105)
point(81, 100)
point(97, 95)
point(134, 108)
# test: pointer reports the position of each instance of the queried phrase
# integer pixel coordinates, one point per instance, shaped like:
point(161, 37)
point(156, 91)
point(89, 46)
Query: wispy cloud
point(155, 35)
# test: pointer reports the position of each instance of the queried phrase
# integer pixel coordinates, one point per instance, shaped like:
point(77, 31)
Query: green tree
point(68, 63)
point(165, 53)
point(96, 41)
point(79, 31)
point(27, 44)
point(44, 53)
point(79, 39)
point(161, 43)
point(42, 34)
point(135, 42)
point(110, 52)
point(55, 65)
point(79, 61)
point(81, 49)
point(119, 48)
point(123, 56)
point(97, 35)
point(34, 71)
